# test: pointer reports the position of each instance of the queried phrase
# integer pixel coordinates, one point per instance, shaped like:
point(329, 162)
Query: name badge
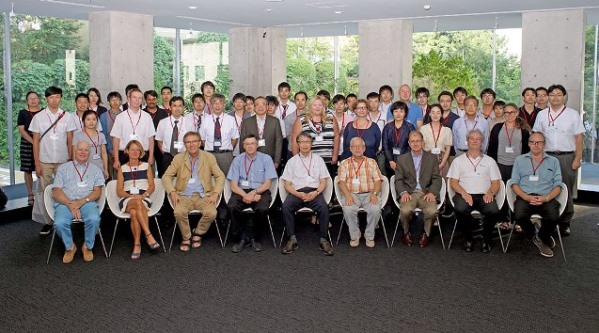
point(396, 151)
point(134, 190)
point(132, 137)
point(475, 174)
point(53, 136)
point(192, 180)
point(217, 144)
point(436, 151)
point(261, 143)
point(533, 178)
point(81, 184)
point(178, 145)
point(96, 157)
point(509, 150)
point(319, 138)
point(245, 183)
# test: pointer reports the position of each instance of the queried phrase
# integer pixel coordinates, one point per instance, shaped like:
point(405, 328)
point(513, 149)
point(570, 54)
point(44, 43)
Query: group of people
point(359, 141)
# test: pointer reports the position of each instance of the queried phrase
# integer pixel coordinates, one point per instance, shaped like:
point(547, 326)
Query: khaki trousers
point(186, 205)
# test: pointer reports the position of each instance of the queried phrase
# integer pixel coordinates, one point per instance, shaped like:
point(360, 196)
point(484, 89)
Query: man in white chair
point(77, 186)
point(536, 178)
point(475, 179)
point(418, 183)
point(251, 174)
point(305, 178)
point(360, 180)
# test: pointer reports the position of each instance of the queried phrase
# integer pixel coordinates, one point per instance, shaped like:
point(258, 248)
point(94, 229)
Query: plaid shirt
point(367, 173)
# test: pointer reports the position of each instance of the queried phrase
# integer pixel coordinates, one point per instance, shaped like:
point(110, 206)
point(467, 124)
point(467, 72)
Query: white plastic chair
point(382, 200)
point(113, 199)
point(441, 196)
point(49, 205)
point(327, 194)
point(194, 212)
point(499, 199)
point(274, 186)
point(562, 198)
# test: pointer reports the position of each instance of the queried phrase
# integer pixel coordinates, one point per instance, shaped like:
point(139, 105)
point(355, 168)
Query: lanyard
point(446, 120)
point(317, 126)
point(341, 126)
point(525, 114)
point(247, 169)
point(56, 123)
point(397, 135)
point(78, 173)
point(534, 170)
point(239, 123)
point(466, 125)
point(90, 139)
point(193, 162)
point(379, 118)
point(438, 134)
point(550, 117)
point(260, 131)
point(474, 165)
point(180, 120)
point(509, 136)
point(138, 119)
point(357, 170)
point(358, 130)
point(309, 167)
point(197, 120)
point(284, 113)
point(133, 171)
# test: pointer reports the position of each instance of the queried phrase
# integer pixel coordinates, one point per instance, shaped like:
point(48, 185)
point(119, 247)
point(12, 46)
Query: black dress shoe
point(326, 248)
point(468, 246)
point(486, 248)
point(256, 246)
point(289, 247)
point(239, 246)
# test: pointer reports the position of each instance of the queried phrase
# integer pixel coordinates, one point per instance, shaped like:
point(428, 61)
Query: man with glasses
point(537, 179)
point(418, 183)
point(475, 179)
point(542, 99)
point(195, 189)
point(487, 96)
point(251, 175)
point(563, 129)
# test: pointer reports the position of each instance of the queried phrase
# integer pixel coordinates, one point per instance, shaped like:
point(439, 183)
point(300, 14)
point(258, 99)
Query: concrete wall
point(257, 62)
point(385, 55)
point(553, 51)
point(121, 51)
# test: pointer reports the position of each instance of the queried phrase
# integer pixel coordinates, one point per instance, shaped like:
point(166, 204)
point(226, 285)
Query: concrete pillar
point(121, 51)
point(385, 53)
point(257, 60)
point(553, 51)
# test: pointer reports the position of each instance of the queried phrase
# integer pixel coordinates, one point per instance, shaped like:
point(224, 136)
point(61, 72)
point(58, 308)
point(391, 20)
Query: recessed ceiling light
point(338, 12)
point(193, 7)
point(273, 0)
point(72, 3)
point(427, 7)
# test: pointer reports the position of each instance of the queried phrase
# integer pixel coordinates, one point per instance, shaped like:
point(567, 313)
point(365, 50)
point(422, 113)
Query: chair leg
point(282, 235)
point(510, 236)
point(52, 244)
point(561, 243)
point(218, 232)
point(339, 233)
point(452, 233)
point(330, 239)
point(272, 234)
point(160, 234)
point(500, 237)
point(172, 237)
point(113, 236)
point(384, 231)
point(395, 232)
point(102, 242)
point(440, 233)
point(226, 234)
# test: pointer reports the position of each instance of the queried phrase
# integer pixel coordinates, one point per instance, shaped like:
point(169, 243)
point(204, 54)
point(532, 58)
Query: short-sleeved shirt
point(291, 107)
point(53, 146)
point(305, 171)
point(196, 119)
point(256, 171)
point(474, 175)
point(164, 132)
point(78, 123)
point(560, 128)
point(24, 119)
point(436, 138)
point(228, 131)
point(75, 188)
point(107, 120)
point(367, 172)
point(130, 125)
point(462, 126)
point(548, 172)
point(95, 146)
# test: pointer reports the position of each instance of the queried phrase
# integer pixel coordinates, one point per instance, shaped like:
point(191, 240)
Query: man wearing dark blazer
point(267, 129)
point(418, 183)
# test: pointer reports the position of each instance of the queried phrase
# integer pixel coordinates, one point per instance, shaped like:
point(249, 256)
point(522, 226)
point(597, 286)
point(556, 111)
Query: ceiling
point(310, 17)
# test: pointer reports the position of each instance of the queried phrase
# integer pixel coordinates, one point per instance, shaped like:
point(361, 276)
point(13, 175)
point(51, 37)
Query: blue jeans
point(63, 218)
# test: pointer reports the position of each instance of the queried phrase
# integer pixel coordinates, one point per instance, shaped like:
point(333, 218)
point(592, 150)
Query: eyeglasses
point(556, 95)
point(541, 95)
point(191, 141)
point(536, 143)
point(361, 146)
point(487, 95)
point(510, 112)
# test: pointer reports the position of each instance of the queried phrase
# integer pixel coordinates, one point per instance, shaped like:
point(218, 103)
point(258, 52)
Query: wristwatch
point(86, 199)
point(375, 193)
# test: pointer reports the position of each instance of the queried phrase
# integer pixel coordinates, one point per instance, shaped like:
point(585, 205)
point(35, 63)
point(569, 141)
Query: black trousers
point(318, 205)
point(248, 228)
point(467, 223)
point(549, 211)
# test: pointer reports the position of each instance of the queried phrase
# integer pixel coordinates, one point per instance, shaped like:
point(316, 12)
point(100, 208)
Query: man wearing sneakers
point(537, 178)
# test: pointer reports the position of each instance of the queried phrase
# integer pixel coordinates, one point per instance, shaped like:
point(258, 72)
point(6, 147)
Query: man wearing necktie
point(170, 132)
point(219, 133)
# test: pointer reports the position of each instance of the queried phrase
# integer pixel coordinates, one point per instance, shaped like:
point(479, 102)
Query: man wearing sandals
point(194, 188)
point(537, 178)
point(77, 186)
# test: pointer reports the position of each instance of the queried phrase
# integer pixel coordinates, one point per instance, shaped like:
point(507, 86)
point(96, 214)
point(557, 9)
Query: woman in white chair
point(135, 183)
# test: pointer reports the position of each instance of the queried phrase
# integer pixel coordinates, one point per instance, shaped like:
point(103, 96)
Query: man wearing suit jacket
point(418, 183)
point(194, 189)
point(267, 129)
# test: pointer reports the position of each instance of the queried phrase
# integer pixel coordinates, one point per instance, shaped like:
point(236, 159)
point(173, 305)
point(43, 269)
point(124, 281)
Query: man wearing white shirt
point(133, 124)
point(81, 105)
point(207, 88)
point(286, 106)
point(460, 94)
point(219, 133)
point(563, 129)
point(52, 130)
point(197, 116)
point(305, 178)
point(170, 133)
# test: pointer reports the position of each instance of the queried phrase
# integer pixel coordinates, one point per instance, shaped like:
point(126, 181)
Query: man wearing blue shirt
point(537, 178)
point(414, 113)
point(250, 174)
point(77, 186)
